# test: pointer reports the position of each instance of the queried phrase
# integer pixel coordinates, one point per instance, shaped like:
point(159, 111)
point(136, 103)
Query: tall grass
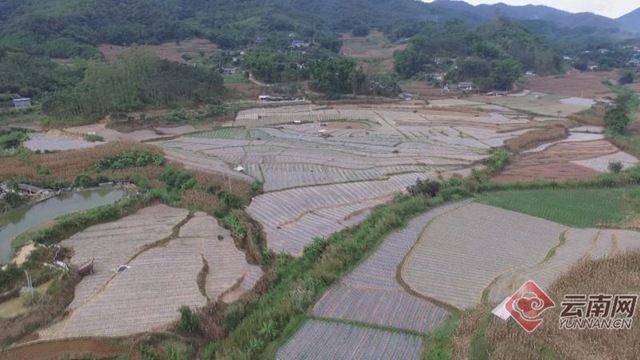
point(439, 344)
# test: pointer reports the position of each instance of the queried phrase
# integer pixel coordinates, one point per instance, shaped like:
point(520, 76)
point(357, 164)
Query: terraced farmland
point(497, 250)
point(165, 251)
point(316, 185)
point(293, 218)
point(371, 296)
point(365, 144)
point(329, 340)
point(324, 168)
point(462, 252)
point(371, 293)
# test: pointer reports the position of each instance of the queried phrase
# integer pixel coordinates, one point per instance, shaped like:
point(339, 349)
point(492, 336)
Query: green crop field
point(572, 207)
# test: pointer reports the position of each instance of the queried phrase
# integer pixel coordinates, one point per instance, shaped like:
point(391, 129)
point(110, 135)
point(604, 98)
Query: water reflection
point(22, 219)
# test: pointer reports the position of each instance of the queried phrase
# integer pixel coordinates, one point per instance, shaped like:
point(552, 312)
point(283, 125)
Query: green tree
point(504, 73)
point(619, 116)
point(14, 199)
point(617, 119)
point(333, 75)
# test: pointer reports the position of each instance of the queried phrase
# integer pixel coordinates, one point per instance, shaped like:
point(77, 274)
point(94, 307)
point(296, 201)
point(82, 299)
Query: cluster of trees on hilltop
point(136, 81)
point(493, 55)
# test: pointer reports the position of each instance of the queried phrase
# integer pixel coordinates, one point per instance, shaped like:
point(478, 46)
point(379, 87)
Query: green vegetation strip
point(301, 281)
point(439, 344)
point(573, 207)
point(479, 347)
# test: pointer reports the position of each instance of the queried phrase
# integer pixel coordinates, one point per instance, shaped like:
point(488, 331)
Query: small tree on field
point(617, 119)
point(428, 188)
point(615, 167)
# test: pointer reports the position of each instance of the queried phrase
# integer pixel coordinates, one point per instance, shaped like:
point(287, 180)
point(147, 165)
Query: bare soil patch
point(574, 84)
point(374, 52)
point(66, 349)
point(557, 162)
point(424, 90)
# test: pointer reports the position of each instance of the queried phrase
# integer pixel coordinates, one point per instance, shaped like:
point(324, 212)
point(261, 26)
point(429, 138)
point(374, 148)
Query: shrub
point(178, 180)
point(188, 320)
point(615, 167)
point(628, 77)
point(84, 181)
point(429, 188)
point(135, 158)
point(14, 199)
point(498, 161)
point(233, 223)
point(256, 187)
point(229, 200)
point(93, 138)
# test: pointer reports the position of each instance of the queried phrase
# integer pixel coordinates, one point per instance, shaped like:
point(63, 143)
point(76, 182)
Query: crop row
point(320, 340)
point(450, 261)
point(293, 218)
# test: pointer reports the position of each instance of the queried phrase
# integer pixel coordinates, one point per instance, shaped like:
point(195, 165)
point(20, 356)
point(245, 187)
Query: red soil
point(66, 349)
point(554, 163)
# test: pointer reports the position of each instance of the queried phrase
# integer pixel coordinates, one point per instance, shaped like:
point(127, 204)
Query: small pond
point(17, 221)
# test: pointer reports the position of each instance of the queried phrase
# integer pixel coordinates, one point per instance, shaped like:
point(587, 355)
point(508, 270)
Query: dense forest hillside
point(63, 28)
point(493, 55)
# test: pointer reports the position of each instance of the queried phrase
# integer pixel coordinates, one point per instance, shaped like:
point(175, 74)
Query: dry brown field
point(574, 84)
point(615, 275)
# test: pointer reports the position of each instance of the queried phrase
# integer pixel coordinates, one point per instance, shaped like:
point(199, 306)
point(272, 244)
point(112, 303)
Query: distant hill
point(527, 12)
point(63, 28)
point(630, 22)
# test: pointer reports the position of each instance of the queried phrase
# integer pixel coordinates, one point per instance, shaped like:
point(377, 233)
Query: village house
point(22, 103)
point(229, 70)
point(465, 86)
point(298, 44)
